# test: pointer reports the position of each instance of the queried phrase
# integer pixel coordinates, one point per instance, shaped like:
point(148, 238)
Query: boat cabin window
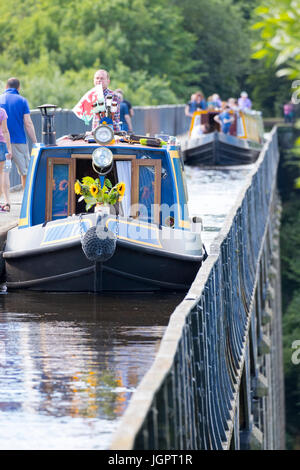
point(146, 187)
point(59, 198)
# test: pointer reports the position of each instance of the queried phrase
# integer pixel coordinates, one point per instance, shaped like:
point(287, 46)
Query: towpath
point(8, 220)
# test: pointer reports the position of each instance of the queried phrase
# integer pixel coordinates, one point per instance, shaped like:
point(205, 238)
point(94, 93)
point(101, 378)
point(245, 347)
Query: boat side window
point(146, 190)
point(60, 172)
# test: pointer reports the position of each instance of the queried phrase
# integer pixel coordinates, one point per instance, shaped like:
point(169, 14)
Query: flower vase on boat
point(102, 209)
point(91, 191)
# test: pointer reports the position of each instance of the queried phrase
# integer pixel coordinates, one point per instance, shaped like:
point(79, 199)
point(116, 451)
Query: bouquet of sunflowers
point(92, 193)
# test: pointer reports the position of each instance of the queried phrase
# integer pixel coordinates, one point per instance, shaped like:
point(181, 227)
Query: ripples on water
point(70, 363)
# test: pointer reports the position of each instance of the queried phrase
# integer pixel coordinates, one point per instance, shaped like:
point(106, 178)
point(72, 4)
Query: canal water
point(70, 363)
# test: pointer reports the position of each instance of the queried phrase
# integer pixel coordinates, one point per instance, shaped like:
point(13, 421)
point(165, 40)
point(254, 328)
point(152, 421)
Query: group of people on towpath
point(15, 122)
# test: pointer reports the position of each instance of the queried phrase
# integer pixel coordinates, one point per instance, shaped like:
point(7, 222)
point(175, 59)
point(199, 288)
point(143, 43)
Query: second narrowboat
point(207, 145)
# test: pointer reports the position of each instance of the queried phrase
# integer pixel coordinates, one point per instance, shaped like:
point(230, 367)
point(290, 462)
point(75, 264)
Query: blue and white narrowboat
point(157, 245)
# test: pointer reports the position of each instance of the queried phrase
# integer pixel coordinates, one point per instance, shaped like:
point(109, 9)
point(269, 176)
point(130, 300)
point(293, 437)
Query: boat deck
point(67, 142)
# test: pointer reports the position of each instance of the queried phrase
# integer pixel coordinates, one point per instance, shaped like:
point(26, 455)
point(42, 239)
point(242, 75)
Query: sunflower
point(77, 188)
point(121, 190)
point(94, 189)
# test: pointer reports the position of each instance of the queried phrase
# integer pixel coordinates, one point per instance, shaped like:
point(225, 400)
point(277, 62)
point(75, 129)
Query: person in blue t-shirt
point(224, 119)
point(196, 103)
point(125, 117)
point(19, 120)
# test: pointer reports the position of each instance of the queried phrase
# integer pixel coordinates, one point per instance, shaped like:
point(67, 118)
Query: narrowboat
point(207, 145)
point(157, 245)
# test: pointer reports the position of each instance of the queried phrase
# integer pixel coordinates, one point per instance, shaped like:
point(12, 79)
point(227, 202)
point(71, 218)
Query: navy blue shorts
point(3, 151)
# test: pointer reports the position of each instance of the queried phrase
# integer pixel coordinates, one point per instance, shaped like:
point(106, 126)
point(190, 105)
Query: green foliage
point(156, 50)
point(290, 271)
point(279, 42)
point(223, 46)
point(92, 192)
point(291, 334)
point(290, 241)
point(268, 91)
point(55, 47)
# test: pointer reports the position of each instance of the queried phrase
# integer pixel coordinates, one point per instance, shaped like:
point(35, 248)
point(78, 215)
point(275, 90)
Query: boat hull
point(164, 263)
point(217, 149)
point(67, 269)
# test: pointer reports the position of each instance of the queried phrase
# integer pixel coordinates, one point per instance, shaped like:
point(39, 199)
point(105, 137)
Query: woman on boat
point(232, 103)
point(244, 102)
point(214, 101)
point(5, 160)
point(197, 102)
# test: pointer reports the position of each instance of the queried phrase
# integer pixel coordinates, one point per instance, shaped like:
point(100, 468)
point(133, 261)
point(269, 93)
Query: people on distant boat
point(197, 102)
point(5, 160)
point(233, 104)
point(188, 107)
point(244, 101)
point(214, 101)
point(225, 119)
point(125, 118)
point(101, 77)
point(19, 120)
point(288, 111)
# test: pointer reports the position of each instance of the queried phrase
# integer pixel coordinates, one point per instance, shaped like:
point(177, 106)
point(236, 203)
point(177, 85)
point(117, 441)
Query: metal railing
point(204, 389)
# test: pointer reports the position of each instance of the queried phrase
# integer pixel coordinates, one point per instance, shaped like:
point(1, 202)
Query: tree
point(279, 35)
point(144, 37)
point(223, 45)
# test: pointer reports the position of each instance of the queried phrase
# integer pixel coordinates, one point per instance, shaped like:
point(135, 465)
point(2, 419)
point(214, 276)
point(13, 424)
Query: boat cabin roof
point(66, 141)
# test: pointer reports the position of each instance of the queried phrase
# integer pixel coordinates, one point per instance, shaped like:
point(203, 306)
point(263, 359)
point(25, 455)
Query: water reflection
point(70, 363)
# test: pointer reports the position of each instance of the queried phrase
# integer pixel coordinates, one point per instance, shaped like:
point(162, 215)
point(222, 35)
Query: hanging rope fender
point(98, 242)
